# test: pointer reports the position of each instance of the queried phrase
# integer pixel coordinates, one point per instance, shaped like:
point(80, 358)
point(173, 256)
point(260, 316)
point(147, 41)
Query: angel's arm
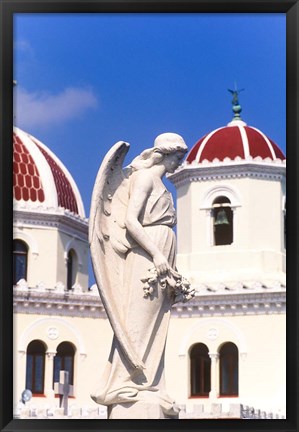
point(141, 187)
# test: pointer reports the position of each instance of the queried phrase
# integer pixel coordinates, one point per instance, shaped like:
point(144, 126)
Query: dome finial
point(235, 102)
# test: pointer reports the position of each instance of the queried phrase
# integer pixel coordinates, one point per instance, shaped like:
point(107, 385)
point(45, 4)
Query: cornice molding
point(49, 302)
point(228, 170)
point(89, 305)
point(254, 303)
point(60, 219)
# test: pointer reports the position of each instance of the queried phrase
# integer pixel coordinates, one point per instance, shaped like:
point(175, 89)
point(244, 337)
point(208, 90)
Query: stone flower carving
point(177, 286)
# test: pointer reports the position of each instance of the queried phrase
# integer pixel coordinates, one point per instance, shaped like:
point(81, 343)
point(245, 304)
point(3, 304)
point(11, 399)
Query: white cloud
point(23, 46)
point(44, 109)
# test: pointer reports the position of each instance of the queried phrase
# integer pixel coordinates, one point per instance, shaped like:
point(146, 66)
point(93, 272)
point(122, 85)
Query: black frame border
point(10, 7)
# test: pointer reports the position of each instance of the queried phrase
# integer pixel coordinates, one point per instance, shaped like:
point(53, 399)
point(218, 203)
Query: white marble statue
point(133, 250)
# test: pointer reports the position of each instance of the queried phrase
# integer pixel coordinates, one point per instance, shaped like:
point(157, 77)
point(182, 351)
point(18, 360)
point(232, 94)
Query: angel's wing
point(109, 241)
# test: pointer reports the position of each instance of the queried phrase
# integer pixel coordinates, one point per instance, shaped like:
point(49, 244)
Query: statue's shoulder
point(143, 173)
point(142, 179)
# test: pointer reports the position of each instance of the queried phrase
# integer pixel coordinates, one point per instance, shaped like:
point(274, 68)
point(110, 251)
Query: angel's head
point(169, 143)
point(168, 147)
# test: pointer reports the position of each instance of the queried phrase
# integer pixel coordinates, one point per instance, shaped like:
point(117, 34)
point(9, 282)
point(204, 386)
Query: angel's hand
point(161, 264)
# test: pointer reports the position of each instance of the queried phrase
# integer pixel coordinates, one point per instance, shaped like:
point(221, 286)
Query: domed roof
point(236, 140)
point(40, 178)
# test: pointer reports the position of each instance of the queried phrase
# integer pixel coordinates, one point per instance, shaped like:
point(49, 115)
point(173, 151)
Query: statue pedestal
point(138, 410)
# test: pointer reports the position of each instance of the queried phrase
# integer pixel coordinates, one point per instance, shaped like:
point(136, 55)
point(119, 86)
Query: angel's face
point(173, 160)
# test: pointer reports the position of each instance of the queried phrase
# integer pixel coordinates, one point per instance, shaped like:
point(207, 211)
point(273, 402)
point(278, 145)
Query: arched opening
point(35, 367)
point(20, 260)
point(200, 370)
point(222, 221)
point(229, 369)
point(64, 360)
point(72, 268)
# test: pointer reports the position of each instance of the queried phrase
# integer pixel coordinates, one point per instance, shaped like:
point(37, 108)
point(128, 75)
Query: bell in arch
point(221, 218)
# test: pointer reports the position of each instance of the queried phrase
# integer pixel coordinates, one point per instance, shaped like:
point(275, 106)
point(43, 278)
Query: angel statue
point(133, 250)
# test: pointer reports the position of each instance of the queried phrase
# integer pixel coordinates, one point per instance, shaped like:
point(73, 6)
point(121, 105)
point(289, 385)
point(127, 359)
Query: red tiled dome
point(232, 141)
point(40, 177)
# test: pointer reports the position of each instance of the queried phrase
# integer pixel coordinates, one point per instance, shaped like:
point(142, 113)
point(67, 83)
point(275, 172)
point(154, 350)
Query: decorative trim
point(71, 244)
point(203, 144)
point(255, 301)
point(61, 219)
point(216, 305)
point(213, 333)
point(215, 191)
point(51, 354)
point(66, 173)
point(25, 337)
point(83, 356)
point(267, 141)
point(28, 239)
point(52, 332)
point(214, 356)
point(243, 356)
point(55, 303)
point(207, 171)
point(245, 142)
point(215, 322)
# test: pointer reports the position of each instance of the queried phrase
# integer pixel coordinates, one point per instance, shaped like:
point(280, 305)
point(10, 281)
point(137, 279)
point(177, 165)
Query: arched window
point(222, 221)
point(64, 360)
point(20, 258)
point(35, 367)
point(72, 268)
point(200, 368)
point(229, 370)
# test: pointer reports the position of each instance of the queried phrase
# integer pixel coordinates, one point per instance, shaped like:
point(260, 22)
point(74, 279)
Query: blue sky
point(86, 81)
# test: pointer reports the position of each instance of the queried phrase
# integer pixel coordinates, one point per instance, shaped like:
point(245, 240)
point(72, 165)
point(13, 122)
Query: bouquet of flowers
point(176, 285)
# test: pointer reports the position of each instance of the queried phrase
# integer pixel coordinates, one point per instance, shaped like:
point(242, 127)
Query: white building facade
point(225, 348)
point(55, 314)
point(230, 346)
